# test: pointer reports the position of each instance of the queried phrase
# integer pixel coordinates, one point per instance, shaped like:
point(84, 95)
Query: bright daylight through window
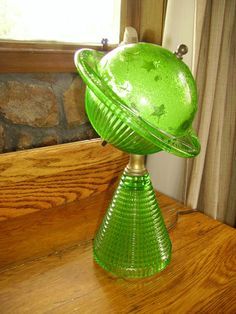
point(76, 21)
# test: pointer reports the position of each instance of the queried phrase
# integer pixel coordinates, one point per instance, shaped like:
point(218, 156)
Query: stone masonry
point(42, 109)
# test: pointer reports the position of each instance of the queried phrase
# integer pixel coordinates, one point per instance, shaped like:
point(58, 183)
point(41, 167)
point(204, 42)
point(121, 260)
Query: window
point(43, 35)
point(74, 21)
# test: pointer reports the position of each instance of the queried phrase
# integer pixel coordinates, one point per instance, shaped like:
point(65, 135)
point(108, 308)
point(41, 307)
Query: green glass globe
point(141, 98)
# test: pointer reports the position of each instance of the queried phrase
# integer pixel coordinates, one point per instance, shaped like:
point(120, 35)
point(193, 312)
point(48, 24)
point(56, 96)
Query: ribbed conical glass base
point(132, 241)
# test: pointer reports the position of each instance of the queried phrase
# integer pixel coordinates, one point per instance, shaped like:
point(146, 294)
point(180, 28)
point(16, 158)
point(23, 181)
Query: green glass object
point(132, 240)
point(142, 99)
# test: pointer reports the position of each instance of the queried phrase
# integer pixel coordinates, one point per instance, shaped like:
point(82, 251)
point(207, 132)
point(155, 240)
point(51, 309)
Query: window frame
point(40, 56)
point(35, 57)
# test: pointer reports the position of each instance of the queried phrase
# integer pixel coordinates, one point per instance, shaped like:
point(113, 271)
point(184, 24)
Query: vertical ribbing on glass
point(132, 241)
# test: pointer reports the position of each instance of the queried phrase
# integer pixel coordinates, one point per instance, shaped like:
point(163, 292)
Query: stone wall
point(42, 109)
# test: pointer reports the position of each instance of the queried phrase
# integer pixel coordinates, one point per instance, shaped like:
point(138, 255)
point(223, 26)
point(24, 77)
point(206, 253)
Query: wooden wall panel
point(146, 16)
point(151, 20)
point(47, 177)
point(130, 15)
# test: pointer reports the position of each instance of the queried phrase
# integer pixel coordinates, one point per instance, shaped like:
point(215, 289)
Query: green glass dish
point(141, 98)
point(132, 241)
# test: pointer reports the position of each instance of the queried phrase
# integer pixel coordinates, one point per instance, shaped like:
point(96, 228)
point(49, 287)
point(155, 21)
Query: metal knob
point(181, 51)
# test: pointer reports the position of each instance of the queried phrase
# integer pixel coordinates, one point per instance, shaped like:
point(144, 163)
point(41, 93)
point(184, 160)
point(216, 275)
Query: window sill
point(31, 57)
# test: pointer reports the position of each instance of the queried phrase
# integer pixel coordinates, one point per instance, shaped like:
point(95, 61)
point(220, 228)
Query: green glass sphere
point(141, 98)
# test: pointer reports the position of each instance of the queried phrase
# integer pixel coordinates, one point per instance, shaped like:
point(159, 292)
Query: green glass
point(132, 240)
point(142, 99)
point(148, 92)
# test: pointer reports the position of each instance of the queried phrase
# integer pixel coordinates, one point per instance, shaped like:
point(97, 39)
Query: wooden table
point(59, 275)
point(47, 265)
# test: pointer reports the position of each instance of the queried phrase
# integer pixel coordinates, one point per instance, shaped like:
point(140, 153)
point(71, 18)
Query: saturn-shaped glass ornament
point(142, 99)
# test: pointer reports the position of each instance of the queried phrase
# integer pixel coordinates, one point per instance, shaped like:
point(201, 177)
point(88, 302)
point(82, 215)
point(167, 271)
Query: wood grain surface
point(30, 57)
point(47, 177)
point(59, 275)
point(40, 233)
point(146, 16)
point(52, 201)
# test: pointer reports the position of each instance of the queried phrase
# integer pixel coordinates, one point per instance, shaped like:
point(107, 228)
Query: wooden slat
point(43, 178)
point(8, 45)
point(31, 57)
point(200, 279)
point(57, 227)
point(36, 61)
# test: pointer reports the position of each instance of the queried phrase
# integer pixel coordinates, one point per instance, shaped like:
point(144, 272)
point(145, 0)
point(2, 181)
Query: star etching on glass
point(150, 65)
point(159, 111)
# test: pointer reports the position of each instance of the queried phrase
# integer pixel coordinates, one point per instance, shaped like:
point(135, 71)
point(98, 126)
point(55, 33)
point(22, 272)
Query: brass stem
point(136, 165)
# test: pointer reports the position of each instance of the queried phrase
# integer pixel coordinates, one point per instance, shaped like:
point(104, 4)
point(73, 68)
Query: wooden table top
point(47, 265)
